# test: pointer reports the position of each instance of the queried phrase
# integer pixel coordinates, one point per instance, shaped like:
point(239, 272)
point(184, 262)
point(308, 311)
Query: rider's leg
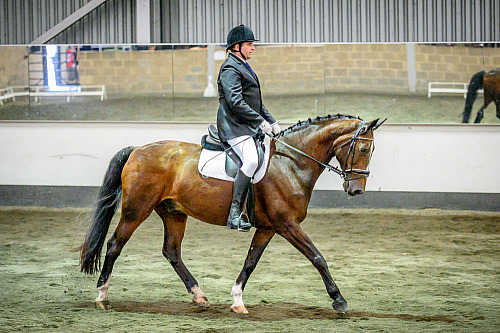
point(247, 152)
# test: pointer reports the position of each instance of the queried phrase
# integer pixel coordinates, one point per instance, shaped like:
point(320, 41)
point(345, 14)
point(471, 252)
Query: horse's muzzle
point(354, 187)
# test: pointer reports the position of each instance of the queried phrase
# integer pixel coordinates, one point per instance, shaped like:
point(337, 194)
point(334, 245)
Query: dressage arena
point(418, 251)
point(400, 270)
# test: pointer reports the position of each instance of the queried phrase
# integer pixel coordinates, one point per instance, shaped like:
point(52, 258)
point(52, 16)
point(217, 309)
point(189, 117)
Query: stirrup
point(238, 227)
point(240, 219)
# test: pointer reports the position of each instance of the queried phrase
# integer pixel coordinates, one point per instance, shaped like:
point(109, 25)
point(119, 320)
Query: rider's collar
point(239, 58)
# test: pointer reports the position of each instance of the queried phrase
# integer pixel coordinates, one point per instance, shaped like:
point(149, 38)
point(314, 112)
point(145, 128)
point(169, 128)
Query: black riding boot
point(240, 190)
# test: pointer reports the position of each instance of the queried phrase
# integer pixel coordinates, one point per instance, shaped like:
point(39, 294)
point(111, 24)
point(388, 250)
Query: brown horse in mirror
point(164, 177)
point(490, 83)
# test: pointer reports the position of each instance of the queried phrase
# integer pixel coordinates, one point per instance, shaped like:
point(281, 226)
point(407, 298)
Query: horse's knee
point(319, 262)
point(171, 255)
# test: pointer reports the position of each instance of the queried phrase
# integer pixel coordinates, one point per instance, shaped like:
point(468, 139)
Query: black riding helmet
point(238, 35)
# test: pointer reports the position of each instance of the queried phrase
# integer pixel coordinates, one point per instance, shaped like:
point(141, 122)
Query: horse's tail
point(476, 83)
point(105, 207)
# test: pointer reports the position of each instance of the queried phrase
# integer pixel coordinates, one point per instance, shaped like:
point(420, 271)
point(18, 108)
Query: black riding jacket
point(240, 103)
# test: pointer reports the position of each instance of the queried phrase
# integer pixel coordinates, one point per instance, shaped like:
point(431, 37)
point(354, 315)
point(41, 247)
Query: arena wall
point(13, 66)
point(283, 68)
point(289, 69)
point(414, 166)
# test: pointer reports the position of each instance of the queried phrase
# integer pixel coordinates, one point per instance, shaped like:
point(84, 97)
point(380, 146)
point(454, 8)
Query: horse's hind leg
point(134, 212)
point(480, 113)
point(259, 243)
point(174, 225)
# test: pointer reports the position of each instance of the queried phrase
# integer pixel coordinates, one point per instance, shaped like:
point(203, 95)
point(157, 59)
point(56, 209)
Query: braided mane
point(304, 124)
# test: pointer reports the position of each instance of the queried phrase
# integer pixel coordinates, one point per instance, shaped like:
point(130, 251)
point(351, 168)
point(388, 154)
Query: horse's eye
point(364, 151)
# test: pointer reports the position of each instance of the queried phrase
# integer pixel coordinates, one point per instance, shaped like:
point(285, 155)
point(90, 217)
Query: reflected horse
point(490, 83)
point(163, 177)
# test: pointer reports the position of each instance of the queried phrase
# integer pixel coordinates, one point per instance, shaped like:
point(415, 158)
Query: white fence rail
point(69, 91)
point(13, 92)
point(44, 91)
point(448, 88)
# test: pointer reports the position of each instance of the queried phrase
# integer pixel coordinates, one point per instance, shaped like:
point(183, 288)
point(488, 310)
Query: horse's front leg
point(296, 236)
point(259, 242)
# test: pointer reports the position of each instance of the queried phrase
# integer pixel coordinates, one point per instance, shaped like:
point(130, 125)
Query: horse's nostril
point(356, 192)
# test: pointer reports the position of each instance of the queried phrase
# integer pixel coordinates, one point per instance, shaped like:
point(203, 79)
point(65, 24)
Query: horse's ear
point(372, 125)
point(379, 122)
point(367, 126)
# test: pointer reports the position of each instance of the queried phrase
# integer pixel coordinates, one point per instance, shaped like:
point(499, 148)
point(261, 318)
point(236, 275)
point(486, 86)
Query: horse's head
point(348, 138)
point(353, 150)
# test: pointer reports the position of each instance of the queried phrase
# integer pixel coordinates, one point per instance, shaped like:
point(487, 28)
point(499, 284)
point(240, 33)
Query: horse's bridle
point(351, 152)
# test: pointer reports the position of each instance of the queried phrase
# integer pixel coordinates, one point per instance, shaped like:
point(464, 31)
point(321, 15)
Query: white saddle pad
point(212, 164)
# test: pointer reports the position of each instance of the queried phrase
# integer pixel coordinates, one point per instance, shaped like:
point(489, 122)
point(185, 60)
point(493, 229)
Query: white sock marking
point(197, 292)
point(103, 292)
point(237, 292)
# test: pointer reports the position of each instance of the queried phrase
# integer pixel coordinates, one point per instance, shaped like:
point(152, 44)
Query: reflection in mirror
point(292, 78)
point(407, 83)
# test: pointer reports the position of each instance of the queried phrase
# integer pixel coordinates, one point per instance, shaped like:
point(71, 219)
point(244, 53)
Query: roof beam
point(68, 21)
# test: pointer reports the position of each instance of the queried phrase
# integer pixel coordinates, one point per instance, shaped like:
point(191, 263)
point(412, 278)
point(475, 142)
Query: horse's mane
point(306, 123)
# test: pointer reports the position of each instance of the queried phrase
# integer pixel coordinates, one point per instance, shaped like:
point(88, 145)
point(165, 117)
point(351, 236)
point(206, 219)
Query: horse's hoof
point(103, 305)
point(340, 304)
point(239, 309)
point(203, 301)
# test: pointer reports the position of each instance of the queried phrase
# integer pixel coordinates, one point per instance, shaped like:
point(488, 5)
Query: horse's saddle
point(211, 141)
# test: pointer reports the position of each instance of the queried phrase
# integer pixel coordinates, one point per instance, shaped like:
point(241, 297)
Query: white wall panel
point(421, 158)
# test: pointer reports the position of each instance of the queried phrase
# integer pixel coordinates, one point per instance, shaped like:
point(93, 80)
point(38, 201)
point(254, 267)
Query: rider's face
point(247, 49)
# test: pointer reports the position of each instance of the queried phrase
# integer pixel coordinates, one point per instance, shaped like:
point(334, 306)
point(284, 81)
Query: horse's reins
point(341, 172)
point(327, 166)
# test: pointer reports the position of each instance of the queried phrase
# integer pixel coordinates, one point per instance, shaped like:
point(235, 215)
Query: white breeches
point(247, 152)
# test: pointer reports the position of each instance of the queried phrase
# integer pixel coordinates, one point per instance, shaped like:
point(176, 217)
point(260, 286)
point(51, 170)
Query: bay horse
point(490, 83)
point(163, 177)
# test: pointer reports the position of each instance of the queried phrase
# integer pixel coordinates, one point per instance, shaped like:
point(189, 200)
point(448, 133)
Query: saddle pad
point(212, 164)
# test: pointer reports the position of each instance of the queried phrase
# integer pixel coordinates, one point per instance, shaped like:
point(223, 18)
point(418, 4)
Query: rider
point(240, 116)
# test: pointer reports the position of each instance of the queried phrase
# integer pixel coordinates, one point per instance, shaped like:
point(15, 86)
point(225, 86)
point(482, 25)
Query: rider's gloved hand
point(266, 128)
point(276, 128)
